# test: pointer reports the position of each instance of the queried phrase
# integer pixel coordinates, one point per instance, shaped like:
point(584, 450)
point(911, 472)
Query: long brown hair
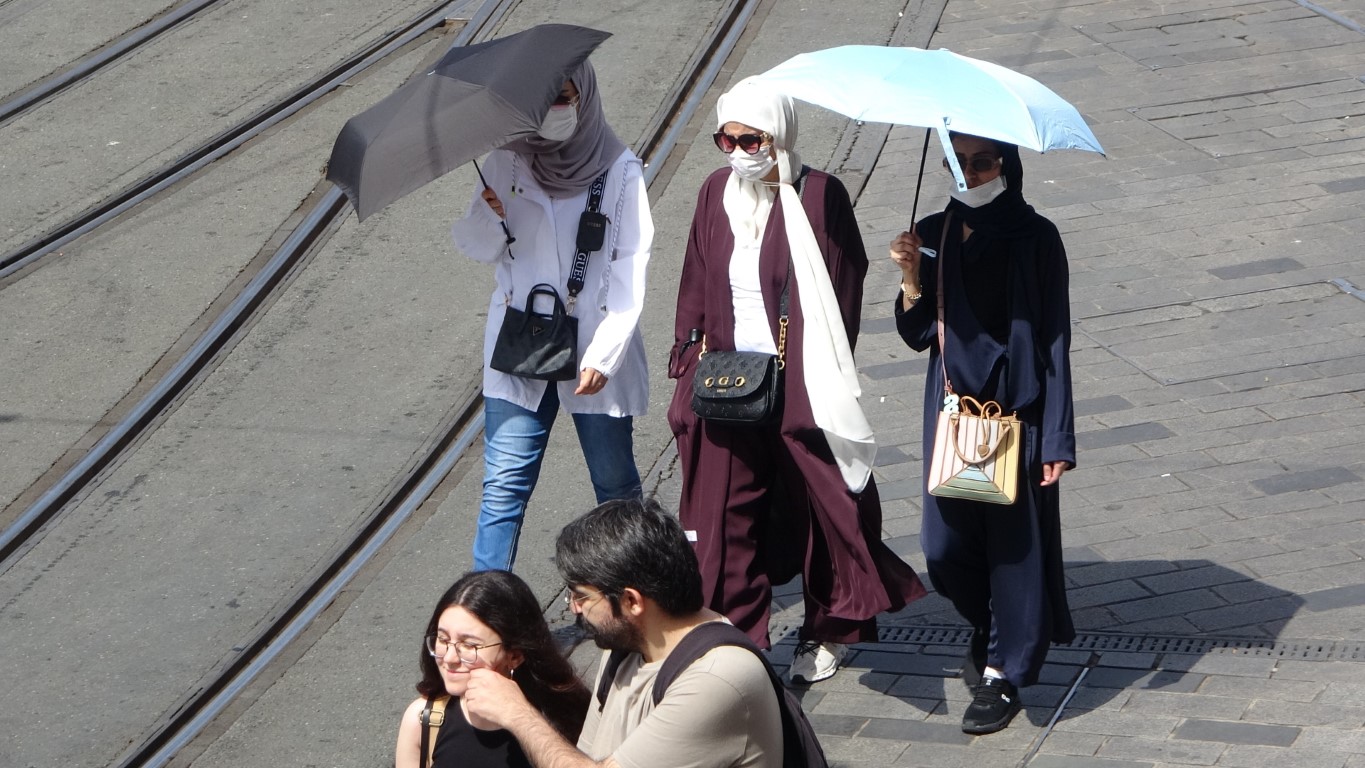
point(505, 603)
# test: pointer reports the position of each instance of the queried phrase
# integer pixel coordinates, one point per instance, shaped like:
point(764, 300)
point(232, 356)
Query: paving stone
point(1273, 690)
point(1279, 757)
point(914, 732)
point(1136, 433)
point(1237, 733)
point(1072, 761)
point(835, 725)
point(1274, 711)
point(1183, 752)
point(844, 751)
point(1306, 480)
point(1133, 679)
point(1337, 597)
point(1256, 268)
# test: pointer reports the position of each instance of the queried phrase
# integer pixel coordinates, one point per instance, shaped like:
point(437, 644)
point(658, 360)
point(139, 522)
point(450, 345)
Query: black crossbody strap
point(578, 274)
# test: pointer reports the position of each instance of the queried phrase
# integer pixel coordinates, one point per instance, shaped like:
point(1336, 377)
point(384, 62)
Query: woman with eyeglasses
point(1007, 330)
point(487, 619)
point(527, 219)
point(774, 265)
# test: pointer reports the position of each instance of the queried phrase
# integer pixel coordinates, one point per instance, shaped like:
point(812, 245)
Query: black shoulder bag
point(742, 387)
point(545, 346)
point(745, 387)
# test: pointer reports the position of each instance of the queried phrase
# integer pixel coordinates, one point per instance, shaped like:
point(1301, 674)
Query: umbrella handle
point(950, 155)
point(505, 230)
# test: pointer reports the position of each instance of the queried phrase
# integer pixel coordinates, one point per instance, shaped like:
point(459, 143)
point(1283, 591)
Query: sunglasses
point(978, 164)
point(749, 142)
point(565, 101)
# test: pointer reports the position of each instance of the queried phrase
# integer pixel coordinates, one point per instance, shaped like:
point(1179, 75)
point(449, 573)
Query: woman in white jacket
point(538, 186)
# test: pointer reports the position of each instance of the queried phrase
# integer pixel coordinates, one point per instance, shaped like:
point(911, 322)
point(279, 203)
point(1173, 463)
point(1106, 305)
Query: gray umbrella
point(477, 98)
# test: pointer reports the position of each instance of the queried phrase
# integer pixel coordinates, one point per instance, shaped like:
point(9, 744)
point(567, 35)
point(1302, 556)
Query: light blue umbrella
point(934, 89)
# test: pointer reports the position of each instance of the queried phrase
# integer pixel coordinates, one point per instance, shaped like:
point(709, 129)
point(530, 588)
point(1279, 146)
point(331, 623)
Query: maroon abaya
point(768, 501)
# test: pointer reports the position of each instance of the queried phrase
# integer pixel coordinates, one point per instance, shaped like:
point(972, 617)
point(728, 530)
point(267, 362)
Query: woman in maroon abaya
point(767, 501)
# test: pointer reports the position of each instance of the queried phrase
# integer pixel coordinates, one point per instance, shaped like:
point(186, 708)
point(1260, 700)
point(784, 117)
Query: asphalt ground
point(1213, 529)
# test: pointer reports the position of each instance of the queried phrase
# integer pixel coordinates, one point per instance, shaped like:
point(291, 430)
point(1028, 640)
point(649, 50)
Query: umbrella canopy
point(934, 89)
point(477, 98)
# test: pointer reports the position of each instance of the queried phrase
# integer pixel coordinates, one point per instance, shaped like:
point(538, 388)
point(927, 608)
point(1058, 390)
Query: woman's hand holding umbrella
point(905, 252)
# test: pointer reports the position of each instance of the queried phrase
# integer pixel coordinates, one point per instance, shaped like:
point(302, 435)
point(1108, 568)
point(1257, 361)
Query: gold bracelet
point(905, 290)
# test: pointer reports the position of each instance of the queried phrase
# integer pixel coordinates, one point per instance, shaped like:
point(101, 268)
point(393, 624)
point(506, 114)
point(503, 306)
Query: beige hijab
point(831, 379)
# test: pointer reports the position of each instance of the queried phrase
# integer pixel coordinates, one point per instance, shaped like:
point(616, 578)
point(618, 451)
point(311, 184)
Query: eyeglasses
point(749, 142)
point(576, 599)
point(976, 164)
point(566, 101)
point(467, 652)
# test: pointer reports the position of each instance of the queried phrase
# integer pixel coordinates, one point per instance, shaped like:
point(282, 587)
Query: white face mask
point(752, 167)
point(979, 195)
point(559, 123)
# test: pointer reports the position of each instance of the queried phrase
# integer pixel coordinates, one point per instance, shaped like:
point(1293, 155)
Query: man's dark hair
point(632, 543)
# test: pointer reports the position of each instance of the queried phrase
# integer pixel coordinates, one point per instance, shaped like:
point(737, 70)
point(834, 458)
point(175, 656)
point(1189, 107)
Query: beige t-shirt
point(720, 712)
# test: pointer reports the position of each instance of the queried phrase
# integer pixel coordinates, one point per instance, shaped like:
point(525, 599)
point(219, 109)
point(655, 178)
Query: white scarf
point(831, 379)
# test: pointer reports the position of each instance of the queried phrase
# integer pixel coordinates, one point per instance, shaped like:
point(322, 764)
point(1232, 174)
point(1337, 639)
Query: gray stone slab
point(1237, 733)
point(1255, 268)
point(1072, 761)
point(1356, 184)
point(912, 731)
point(1307, 480)
point(1137, 679)
point(1350, 595)
point(1135, 433)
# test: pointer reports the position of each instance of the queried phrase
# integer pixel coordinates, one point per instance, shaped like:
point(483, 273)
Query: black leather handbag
point(535, 345)
point(742, 387)
point(737, 387)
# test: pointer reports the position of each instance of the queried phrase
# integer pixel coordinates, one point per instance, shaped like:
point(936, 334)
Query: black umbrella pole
point(914, 207)
point(507, 231)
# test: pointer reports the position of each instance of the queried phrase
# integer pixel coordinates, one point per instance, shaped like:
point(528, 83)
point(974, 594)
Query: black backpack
point(800, 747)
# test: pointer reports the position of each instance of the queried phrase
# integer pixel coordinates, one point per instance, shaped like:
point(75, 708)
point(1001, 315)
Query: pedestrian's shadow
point(1140, 624)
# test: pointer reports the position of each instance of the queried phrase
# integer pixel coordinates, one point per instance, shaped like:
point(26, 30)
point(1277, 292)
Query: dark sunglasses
point(977, 164)
point(749, 142)
point(563, 101)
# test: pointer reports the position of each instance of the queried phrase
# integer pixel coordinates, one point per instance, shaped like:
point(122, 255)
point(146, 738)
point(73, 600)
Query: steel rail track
point(224, 143)
point(453, 439)
point(258, 289)
point(101, 57)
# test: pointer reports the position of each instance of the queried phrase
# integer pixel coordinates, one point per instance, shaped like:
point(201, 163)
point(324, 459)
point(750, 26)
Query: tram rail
point(423, 25)
point(101, 57)
point(189, 717)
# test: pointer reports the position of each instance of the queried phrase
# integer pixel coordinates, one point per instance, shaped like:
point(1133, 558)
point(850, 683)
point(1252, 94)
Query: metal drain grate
point(1308, 650)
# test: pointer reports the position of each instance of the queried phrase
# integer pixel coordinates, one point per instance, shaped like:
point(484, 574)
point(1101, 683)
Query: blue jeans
point(514, 446)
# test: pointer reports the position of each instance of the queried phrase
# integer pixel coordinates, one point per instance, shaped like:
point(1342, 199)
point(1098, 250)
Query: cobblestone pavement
point(1215, 529)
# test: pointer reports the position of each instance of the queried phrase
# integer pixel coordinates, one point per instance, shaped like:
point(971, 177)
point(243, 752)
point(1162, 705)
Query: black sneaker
point(995, 703)
point(975, 662)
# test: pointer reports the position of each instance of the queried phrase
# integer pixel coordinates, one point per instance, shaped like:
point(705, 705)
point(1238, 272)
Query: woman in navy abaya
point(1007, 326)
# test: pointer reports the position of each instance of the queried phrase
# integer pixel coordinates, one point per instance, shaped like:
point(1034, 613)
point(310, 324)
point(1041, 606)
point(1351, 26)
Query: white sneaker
point(815, 661)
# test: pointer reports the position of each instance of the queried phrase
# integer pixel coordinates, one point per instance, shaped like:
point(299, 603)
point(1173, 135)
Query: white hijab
point(830, 376)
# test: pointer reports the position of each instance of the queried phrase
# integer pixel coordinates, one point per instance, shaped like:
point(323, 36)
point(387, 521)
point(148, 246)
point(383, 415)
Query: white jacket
point(608, 309)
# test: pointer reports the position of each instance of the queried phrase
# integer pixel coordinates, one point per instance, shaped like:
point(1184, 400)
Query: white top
point(752, 332)
point(608, 309)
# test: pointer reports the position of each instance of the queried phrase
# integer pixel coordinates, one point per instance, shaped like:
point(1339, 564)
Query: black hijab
point(1007, 215)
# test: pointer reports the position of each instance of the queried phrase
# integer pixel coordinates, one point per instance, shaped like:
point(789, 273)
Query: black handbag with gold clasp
point(742, 387)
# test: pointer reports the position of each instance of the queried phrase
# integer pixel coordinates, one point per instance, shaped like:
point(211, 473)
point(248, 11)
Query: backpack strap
point(433, 716)
point(609, 667)
point(696, 644)
point(800, 745)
